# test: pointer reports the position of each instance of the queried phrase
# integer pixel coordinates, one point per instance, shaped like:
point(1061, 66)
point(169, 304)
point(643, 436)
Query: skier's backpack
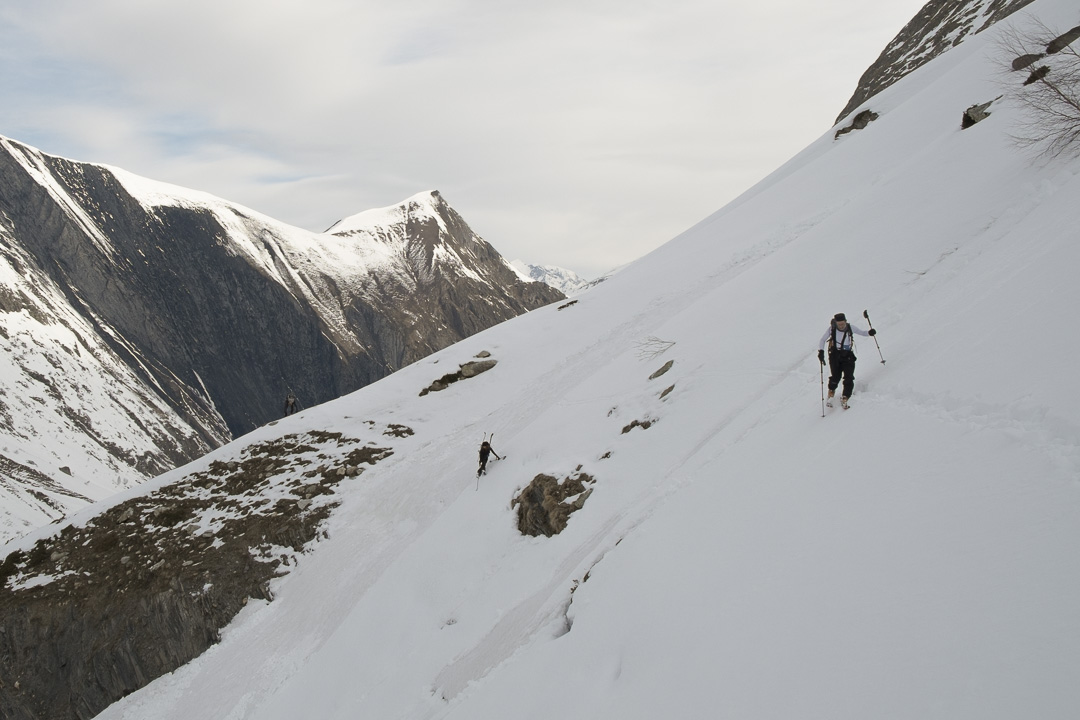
point(847, 332)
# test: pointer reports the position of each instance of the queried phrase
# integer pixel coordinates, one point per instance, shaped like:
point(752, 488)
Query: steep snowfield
point(743, 557)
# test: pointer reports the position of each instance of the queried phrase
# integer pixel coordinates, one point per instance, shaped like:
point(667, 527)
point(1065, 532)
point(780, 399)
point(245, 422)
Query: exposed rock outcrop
point(545, 505)
point(468, 370)
point(96, 612)
point(859, 122)
point(976, 114)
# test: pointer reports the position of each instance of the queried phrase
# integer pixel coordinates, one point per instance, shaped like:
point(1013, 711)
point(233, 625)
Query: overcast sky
point(578, 133)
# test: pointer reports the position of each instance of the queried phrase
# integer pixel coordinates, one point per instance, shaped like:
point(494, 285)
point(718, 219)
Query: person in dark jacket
point(485, 450)
point(841, 343)
point(291, 404)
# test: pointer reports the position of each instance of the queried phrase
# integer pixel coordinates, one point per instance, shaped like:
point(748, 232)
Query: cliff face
point(146, 324)
point(940, 25)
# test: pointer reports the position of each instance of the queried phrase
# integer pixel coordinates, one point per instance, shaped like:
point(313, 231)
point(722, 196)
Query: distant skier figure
point(840, 340)
point(485, 450)
point(291, 404)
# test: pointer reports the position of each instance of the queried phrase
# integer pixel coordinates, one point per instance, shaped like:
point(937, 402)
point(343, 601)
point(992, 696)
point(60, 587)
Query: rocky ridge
point(939, 26)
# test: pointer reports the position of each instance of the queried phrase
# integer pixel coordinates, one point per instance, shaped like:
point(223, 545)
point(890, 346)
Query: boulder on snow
point(545, 505)
point(468, 370)
point(1026, 60)
point(859, 122)
point(1063, 41)
point(975, 114)
point(667, 366)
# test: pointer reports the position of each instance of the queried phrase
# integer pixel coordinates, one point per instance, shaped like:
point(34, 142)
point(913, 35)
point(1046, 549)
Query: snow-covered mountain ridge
point(144, 324)
point(742, 553)
point(565, 281)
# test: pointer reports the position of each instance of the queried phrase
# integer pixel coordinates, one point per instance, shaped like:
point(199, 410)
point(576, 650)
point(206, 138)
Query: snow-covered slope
point(739, 556)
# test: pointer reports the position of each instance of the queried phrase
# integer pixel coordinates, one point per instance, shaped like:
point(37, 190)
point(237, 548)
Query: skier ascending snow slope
point(841, 342)
point(485, 450)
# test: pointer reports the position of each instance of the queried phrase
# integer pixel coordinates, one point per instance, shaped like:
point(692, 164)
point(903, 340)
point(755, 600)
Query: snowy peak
point(424, 237)
point(428, 204)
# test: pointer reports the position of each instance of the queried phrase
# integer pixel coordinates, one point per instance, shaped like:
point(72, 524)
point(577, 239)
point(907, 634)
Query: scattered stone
point(661, 371)
point(569, 304)
point(666, 392)
point(398, 431)
point(483, 354)
point(1026, 60)
point(65, 469)
point(643, 424)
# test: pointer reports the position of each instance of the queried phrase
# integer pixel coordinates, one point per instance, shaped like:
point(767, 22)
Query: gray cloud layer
point(581, 134)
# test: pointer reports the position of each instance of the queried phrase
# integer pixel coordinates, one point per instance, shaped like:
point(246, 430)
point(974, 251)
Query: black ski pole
point(821, 369)
point(867, 316)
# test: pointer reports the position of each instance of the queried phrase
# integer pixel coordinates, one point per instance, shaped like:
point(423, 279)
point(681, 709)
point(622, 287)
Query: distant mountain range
point(143, 324)
point(566, 281)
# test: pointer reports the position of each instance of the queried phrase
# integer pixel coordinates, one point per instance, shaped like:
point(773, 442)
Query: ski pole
point(821, 371)
point(867, 316)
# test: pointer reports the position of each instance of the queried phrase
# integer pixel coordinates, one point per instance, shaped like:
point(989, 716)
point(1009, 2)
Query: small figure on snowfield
point(485, 450)
point(291, 404)
point(840, 340)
